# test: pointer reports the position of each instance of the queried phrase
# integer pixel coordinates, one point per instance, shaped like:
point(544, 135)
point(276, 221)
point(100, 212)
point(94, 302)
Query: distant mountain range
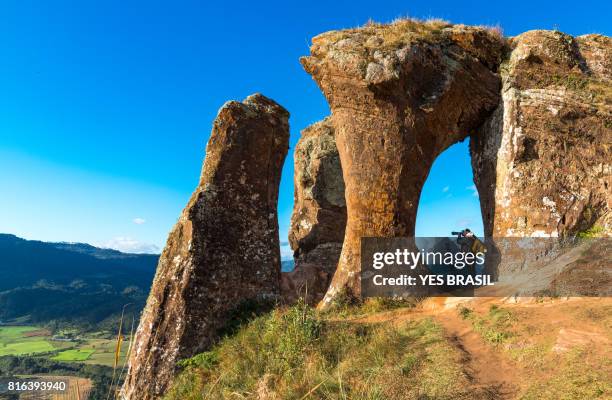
point(69, 282)
point(26, 262)
point(72, 283)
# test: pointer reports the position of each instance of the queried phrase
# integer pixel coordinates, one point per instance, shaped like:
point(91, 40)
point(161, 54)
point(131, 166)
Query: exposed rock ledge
point(542, 160)
point(223, 251)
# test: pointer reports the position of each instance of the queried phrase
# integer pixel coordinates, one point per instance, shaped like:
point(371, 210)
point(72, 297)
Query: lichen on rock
point(400, 94)
point(223, 251)
point(541, 162)
point(319, 214)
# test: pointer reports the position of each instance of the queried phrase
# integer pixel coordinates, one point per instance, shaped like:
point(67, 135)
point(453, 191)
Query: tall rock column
point(223, 251)
point(400, 94)
point(541, 162)
point(319, 213)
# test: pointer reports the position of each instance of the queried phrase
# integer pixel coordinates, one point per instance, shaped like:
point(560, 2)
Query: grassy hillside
point(483, 350)
point(290, 353)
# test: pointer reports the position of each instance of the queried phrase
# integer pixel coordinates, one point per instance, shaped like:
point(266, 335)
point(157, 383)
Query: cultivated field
point(77, 389)
point(32, 340)
point(20, 340)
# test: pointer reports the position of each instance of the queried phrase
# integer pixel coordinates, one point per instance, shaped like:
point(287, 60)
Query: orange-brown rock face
point(319, 214)
point(400, 94)
point(542, 160)
point(223, 251)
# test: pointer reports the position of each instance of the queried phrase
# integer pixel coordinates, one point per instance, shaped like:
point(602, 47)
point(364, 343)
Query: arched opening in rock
point(449, 200)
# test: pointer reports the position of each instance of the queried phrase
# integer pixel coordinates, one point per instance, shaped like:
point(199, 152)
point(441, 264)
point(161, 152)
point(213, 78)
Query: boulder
point(400, 94)
point(319, 213)
point(224, 251)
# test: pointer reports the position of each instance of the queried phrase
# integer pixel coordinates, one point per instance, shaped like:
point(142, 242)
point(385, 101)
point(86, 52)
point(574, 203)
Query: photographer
point(469, 243)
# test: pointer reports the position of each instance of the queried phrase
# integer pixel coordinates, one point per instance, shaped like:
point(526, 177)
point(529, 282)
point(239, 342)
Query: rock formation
point(223, 251)
point(319, 214)
point(537, 108)
point(400, 94)
point(541, 162)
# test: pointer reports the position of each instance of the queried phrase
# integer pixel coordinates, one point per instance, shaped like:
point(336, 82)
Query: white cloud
point(130, 245)
point(473, 189)
point(286, 252)
point(445, 189)
point(139, 221)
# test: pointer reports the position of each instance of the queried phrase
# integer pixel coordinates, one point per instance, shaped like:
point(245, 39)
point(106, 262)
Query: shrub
point(465, 312)
point(592, 232)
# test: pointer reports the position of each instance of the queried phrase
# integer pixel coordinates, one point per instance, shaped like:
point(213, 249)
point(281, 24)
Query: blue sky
point(106, 106)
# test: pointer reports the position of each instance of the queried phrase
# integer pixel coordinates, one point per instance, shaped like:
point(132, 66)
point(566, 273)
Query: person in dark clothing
point(469, 243)
point(465, 240)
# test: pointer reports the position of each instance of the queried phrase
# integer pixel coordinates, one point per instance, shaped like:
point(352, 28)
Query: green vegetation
point(571, 81)
point(14, 340)
point(73, 355)
point(104, 351)
point(29, 350)
point(597, 92)
point(403, 31)
point(407, 30)
point(19, 366)
point(77, 285)
point(493, 326)
point(31, 340)
point(13, 332)
point(573, 379)
point(296, 352)
point(592, 232)
point(344, 305)
point(529, 337)
point(27, 347)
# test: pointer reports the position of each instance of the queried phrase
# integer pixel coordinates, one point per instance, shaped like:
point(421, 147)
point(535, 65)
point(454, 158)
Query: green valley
point(95, 348)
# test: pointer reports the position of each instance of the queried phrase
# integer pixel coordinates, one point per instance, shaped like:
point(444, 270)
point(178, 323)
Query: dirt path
point(560, 324)
point(488, 371)
point(491, 375)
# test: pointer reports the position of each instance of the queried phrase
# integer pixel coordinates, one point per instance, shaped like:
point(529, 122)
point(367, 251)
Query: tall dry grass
point(297, 353)
point(116, 380)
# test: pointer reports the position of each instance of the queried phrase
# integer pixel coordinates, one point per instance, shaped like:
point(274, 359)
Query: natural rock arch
point(401, 94)
point(541, 127)
point(399, 97)
point(449, 200)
